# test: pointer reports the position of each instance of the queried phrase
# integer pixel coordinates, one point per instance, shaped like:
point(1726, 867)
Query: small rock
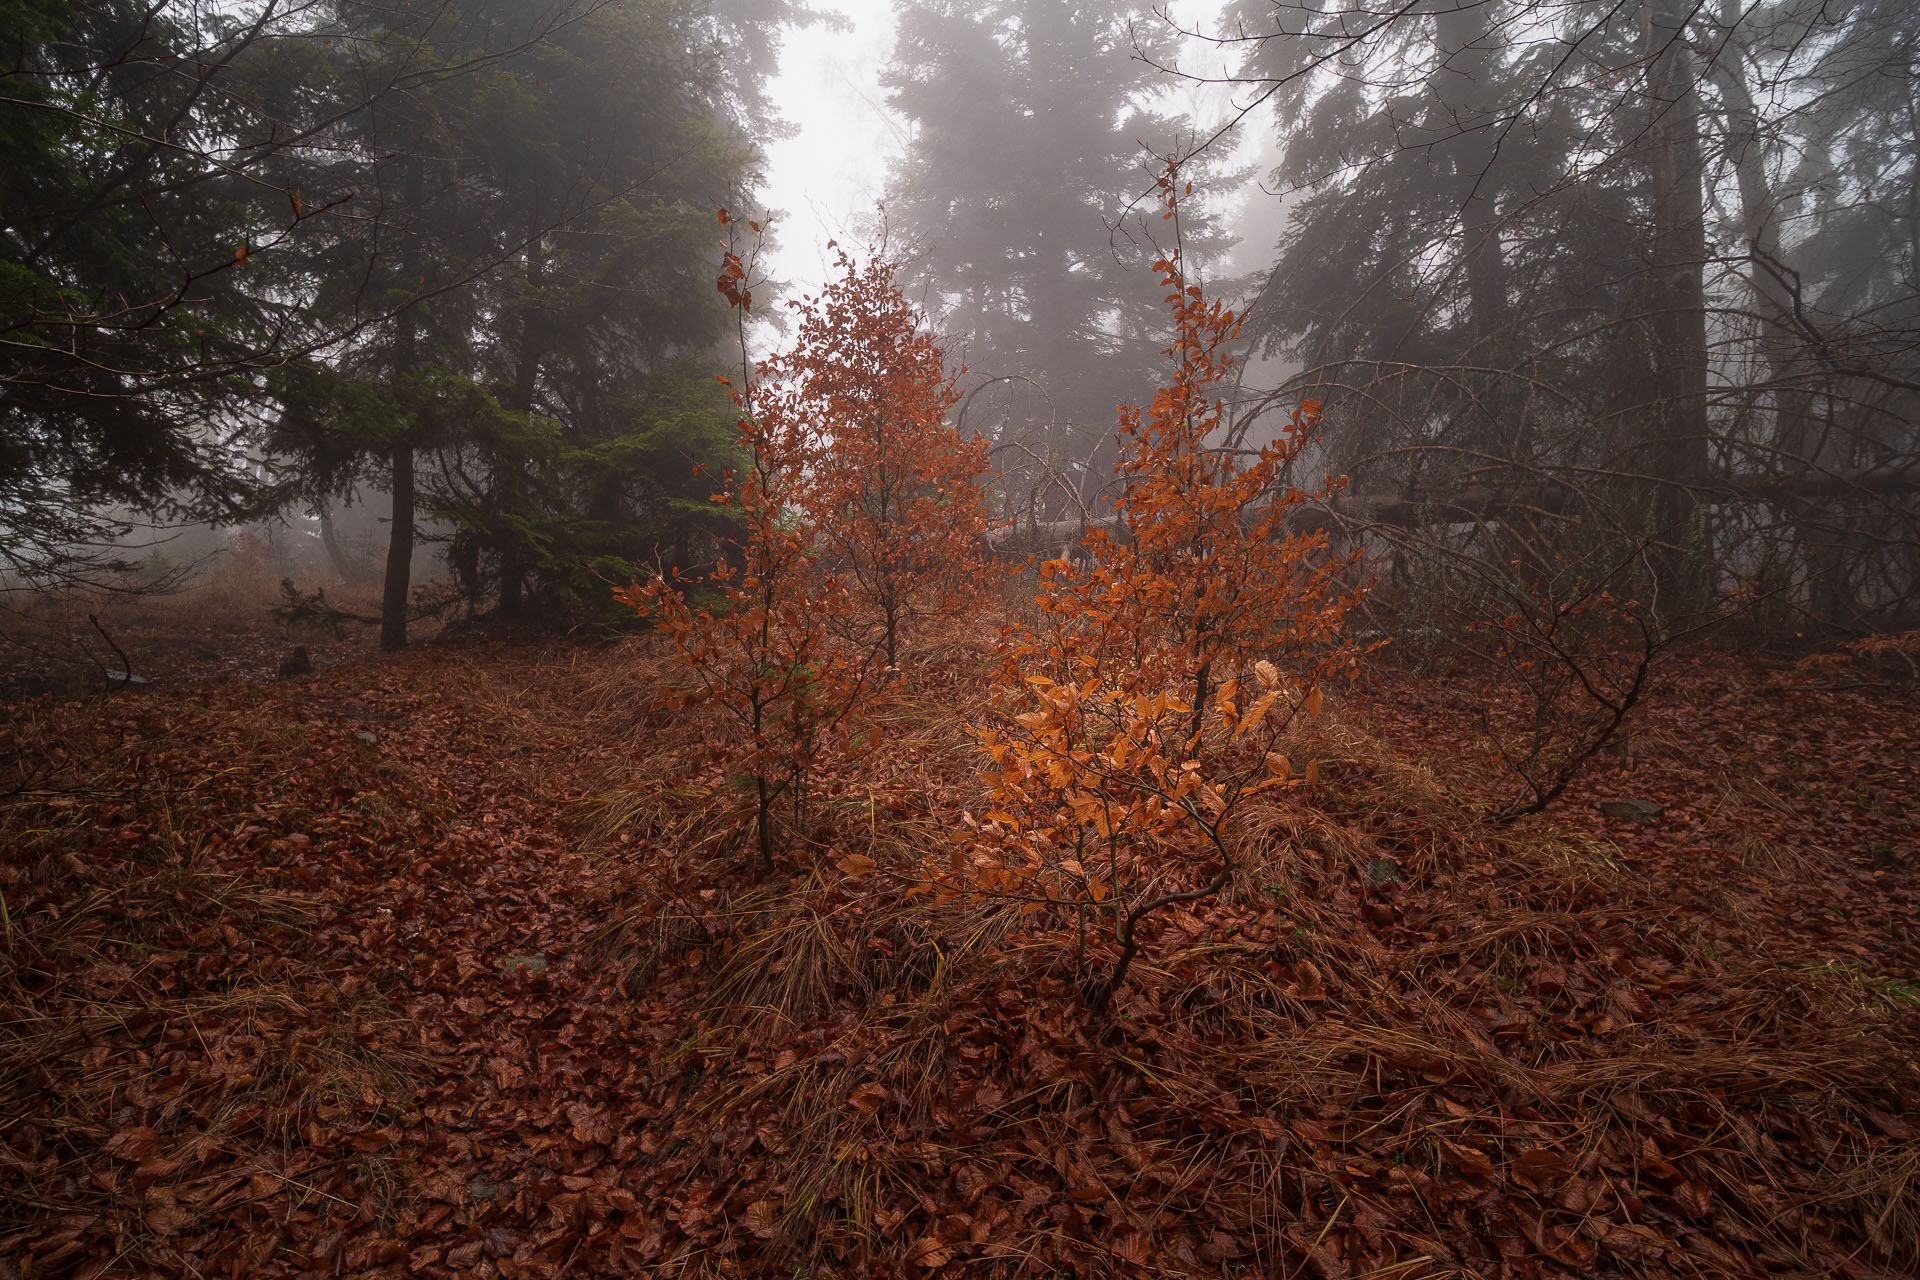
point(363, 735)
point(1631, 810)
point(534, 963)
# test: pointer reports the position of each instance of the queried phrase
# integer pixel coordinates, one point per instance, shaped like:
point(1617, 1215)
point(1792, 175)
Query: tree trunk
point(1678, 440)
point(513, 553)
point(393, 599)
point(351, 574)
point(1830, 598)
point(1466, 129)
point(1466, 137)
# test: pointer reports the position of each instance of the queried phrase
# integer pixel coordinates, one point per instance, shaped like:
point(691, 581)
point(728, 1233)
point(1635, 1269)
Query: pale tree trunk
point(351, 574)
point(393, 598)
point(513, 561)
point(1468, 135)
point(1468, 131)
point(1794, 435)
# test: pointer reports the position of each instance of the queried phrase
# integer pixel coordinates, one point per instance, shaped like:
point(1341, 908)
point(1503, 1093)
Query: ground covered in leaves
point(448, 964)
point(217, 624)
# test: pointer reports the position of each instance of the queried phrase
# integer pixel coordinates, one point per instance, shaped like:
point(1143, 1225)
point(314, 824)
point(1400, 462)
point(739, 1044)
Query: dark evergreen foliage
point(1025, 206)
point(460, 254)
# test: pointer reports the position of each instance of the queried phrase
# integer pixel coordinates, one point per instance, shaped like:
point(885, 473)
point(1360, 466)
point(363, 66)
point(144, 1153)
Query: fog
point(1592, 278)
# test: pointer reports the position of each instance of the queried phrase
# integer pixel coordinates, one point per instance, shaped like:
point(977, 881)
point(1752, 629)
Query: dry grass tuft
point(1882, 1191)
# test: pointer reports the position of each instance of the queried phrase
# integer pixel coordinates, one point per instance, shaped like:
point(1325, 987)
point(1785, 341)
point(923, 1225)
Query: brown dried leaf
point(929, 1252)
point(1470, 1161)
point(762, 1217)
point(1564, 1243)
point(1631, 1240)
point(1540, 1170)
point(138, 1143)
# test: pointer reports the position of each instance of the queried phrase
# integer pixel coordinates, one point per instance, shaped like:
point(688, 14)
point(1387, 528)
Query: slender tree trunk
point(513, 552)
point(1830, 597)
point(513, 558)
point(399, 575)
point(393, 599)
point(1466, 132)
point(1679, 445)
point(513, 577)
point(351, 574)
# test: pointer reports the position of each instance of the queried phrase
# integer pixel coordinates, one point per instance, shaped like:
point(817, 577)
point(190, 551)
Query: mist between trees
point(1611, 309)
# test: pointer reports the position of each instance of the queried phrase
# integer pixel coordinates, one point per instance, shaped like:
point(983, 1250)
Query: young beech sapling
point(1148, 703)
point(764, 658)
point(891, 491)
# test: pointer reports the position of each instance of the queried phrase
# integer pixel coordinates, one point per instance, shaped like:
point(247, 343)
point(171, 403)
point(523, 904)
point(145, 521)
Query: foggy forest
point(736, 638)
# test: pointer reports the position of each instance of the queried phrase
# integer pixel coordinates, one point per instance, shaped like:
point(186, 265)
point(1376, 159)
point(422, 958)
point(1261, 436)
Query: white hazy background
point(825, 181)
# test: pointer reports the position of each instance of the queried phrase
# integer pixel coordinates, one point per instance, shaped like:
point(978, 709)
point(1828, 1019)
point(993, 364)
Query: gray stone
point(531, 963)
point(362, 735)
point(1631, 810)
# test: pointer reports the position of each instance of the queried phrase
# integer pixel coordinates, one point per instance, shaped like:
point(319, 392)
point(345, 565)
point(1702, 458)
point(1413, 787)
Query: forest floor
point(443, 964)
point(220, 624)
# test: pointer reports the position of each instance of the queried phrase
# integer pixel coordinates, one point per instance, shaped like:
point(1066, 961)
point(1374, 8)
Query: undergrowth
point(263, 1014)
point(1405, 1042)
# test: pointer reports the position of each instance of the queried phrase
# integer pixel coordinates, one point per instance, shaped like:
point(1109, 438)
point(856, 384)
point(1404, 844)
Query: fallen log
point(1351, 511)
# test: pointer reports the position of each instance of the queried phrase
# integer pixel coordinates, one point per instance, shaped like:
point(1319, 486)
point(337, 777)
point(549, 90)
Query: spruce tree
point(1024, 206)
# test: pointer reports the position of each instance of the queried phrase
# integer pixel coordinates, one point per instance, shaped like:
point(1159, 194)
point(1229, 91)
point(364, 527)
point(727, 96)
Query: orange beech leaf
point(1470, 1161)
point(762, 1218)
point(930, 1252)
